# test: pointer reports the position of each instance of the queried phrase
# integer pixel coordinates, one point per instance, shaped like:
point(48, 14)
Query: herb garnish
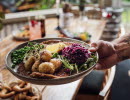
point(18, 55)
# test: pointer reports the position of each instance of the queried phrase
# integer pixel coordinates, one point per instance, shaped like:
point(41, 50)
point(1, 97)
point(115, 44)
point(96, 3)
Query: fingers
point(107, 62)
point(93, 47)
point(96, 45)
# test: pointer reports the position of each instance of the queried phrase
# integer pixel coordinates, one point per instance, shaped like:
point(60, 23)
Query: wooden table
point(58, 92)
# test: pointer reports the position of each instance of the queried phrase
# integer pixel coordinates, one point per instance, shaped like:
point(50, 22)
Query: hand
point(107, 54)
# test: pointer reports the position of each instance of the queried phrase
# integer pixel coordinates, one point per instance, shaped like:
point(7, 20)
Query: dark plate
point(21, 38)
point(56, 81)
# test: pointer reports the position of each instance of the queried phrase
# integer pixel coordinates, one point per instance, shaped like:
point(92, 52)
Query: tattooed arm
point(122, 47)
point(110, 53)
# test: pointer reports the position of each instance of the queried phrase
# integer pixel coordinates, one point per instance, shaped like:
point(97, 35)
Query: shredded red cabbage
point(76, 54)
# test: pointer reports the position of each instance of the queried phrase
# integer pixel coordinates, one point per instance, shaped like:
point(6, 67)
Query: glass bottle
point(41, 19)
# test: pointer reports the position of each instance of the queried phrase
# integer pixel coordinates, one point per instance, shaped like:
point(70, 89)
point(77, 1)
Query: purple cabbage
point(76, 54)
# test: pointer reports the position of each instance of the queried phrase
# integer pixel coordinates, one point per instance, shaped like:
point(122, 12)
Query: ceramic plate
point(56, 81)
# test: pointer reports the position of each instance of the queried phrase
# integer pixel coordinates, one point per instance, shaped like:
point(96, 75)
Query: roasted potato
point(35, 66)
point(56, 62)
point(46, 56)
point(47, 67)
point(28, 64)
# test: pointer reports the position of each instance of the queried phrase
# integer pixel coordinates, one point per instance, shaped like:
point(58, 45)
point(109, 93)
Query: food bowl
point(55, 81)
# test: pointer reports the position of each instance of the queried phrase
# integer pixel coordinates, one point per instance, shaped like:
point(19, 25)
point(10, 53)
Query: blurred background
point(115, 12)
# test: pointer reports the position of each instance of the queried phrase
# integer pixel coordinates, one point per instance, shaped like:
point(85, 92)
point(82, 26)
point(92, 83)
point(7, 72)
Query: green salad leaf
point(55, 55)
point(90, 62)
point(66, 62)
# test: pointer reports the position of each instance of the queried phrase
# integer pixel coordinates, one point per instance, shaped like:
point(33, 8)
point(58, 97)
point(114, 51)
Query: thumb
point(93, 47)
point(96, 45)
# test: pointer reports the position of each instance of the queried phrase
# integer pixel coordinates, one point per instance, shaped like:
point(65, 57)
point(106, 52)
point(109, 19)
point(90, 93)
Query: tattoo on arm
point(127, 40)
point(122, 47)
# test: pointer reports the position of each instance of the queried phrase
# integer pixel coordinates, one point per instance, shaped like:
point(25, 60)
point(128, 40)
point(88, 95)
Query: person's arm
point(110, 53)
point(122, 47)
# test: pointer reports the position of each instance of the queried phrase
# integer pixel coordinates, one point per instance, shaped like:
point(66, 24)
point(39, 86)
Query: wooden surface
point(93, 27)
point(58, 92)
